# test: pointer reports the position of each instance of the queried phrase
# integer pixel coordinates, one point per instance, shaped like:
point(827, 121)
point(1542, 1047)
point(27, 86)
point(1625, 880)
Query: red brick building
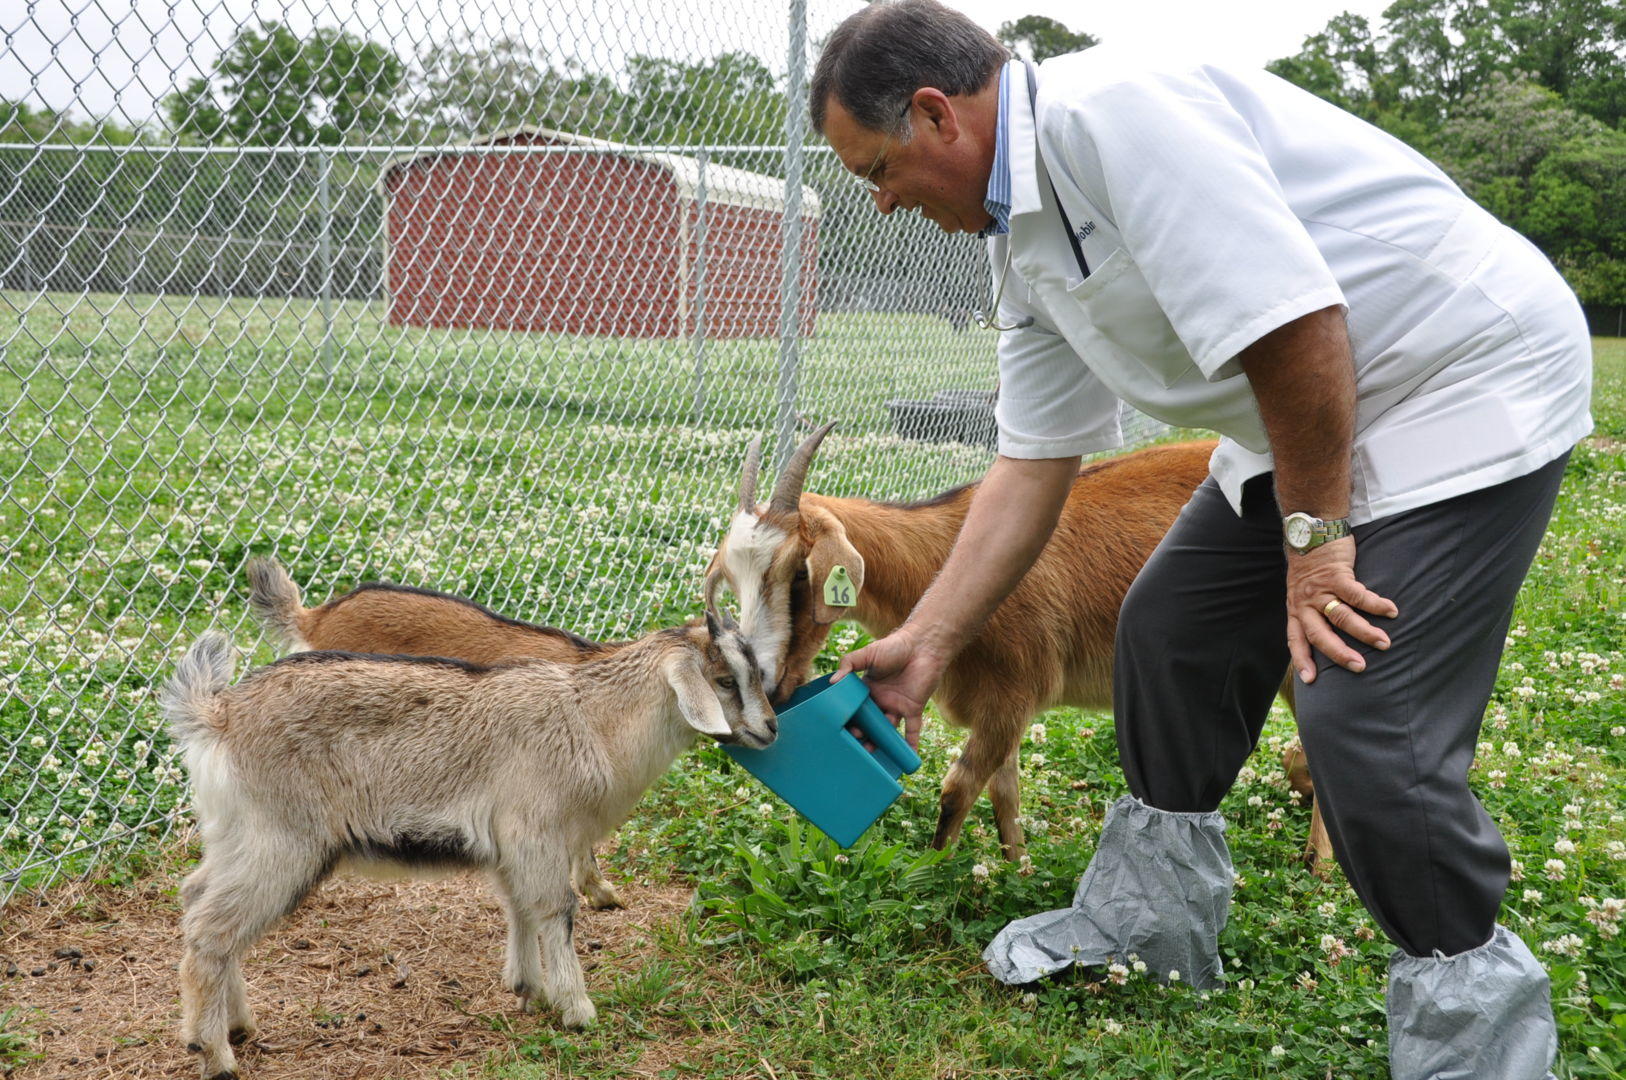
point(587, 239)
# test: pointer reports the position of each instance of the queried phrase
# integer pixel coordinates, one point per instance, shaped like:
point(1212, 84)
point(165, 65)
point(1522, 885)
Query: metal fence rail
point(206, 351)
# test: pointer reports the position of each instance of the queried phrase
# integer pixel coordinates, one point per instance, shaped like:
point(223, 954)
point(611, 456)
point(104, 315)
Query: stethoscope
point(989, 322)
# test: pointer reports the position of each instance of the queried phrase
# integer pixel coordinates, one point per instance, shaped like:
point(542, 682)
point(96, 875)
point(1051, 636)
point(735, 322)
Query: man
point(1398, 380)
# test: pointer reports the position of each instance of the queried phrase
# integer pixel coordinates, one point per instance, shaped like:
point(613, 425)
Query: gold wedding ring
point(1331, 606)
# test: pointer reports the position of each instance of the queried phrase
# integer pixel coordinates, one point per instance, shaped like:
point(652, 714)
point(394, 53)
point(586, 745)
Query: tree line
point(1522, 102)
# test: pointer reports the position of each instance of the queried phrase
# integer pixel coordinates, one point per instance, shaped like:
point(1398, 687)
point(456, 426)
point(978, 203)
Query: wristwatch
point(1303, 532)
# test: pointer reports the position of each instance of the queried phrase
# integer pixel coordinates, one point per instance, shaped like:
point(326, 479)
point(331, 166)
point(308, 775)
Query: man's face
point(937, 172)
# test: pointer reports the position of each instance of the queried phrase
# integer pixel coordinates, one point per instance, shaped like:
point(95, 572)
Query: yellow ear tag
point(839, 590)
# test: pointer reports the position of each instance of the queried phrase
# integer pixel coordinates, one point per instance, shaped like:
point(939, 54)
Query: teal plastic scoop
point(821, 769)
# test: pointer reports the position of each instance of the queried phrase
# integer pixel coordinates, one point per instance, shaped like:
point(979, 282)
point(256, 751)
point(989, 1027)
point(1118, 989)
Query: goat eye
point(727, 682)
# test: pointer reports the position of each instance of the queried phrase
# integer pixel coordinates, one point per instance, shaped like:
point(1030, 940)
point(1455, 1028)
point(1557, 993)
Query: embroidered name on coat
point(1085, 230)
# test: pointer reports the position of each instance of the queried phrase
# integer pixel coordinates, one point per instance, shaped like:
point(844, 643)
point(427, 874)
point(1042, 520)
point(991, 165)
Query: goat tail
point(274, 598)
point(186, 699)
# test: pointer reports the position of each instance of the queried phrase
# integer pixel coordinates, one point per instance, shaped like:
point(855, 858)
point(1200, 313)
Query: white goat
point(327, 758)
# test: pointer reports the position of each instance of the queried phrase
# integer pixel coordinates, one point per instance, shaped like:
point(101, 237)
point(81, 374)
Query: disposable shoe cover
point(1485, 1014)
point(1158, 888)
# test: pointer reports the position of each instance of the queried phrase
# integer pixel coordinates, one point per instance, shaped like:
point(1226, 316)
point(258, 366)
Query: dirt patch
point(366, 980)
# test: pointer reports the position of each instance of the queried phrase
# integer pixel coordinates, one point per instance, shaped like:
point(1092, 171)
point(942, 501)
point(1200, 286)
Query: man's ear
point(829, 548)
point(695, 698)
point(939, 112)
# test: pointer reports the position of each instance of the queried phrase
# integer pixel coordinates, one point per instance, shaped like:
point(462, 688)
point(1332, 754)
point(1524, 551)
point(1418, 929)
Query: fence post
point(790, 252)
point(324, 197)
point(699, 280)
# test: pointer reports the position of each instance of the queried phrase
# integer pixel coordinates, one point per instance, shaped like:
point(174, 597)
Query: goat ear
point(828, 549)
point(696, 700)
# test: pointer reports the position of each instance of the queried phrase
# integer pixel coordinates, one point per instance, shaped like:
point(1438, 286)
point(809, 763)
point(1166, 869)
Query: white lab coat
point(1216, 205)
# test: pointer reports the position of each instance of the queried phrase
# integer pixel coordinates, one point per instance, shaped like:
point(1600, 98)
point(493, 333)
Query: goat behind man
point(1050, 644)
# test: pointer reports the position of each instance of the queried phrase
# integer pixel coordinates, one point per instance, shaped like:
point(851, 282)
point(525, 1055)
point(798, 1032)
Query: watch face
point(1298, 531)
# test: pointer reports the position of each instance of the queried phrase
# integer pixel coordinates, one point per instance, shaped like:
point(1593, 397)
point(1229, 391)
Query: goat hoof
point(229, 1074)
point(237, 1036)
point(604, 898)
point(194, 1048)
point(578, 1014)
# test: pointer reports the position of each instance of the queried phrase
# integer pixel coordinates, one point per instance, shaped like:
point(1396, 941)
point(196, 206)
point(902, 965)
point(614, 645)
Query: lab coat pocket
point(1121, 308)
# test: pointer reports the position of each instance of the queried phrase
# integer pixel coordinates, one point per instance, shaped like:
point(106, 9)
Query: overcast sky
point(118, 58)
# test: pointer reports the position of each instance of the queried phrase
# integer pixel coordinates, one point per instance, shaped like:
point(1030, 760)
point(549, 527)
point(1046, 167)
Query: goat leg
point(1318, 849)
point(601, 895)
point(1005, 791)
point(987, 748)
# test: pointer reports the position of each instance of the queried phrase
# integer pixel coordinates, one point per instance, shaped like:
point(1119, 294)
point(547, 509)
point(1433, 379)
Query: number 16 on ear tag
point(839, 590)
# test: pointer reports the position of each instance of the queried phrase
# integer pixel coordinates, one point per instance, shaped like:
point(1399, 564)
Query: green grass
point(147, 448)
point(16, 1044)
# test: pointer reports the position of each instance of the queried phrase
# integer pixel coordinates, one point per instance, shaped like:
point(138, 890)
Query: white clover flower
point(1036, 760)
point(1555, 869)
point(1278, 1051)
point(1112, 1027)
point(980, 872)
point(1256, 800)
point(1565, 846)
point(1140, 967)
point(1117, 973)
point(1532, 896)
point(1516, 870)
point(1327, 910)
point(1511, 749)
point(1038, 733)
point(1565, 945)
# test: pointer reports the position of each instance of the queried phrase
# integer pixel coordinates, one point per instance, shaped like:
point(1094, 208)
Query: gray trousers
point(1202, 650)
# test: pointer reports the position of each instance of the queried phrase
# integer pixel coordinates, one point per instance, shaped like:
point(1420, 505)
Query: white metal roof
point(724, 184)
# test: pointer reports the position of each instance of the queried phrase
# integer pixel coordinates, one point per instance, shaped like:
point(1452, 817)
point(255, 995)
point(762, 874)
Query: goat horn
point(713, 580)
point(787, 493)
point(748, 478)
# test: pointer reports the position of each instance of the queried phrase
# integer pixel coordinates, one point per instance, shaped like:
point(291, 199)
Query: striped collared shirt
point(998, 199)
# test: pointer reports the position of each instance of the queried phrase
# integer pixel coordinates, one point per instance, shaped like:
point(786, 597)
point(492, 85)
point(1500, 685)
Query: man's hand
point(901, 675)
point(1323, 593)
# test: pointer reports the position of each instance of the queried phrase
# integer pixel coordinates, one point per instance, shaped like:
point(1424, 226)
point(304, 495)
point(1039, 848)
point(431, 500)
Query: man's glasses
point(869, 180)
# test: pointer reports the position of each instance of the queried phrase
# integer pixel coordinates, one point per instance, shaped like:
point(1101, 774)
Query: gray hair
point(878, 57)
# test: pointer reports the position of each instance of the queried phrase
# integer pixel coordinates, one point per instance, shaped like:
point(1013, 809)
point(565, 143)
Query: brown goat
point(399, 620)
point(1049, 644)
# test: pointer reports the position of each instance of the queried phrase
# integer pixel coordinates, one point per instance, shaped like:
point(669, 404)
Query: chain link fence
point(485, 301)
